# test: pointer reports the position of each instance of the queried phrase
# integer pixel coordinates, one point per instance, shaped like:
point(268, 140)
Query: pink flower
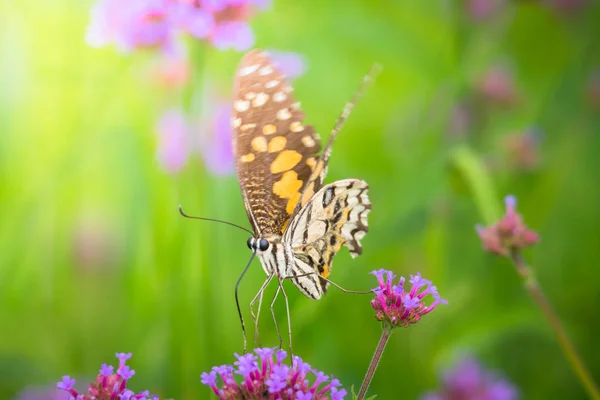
point(469, 380)
point(172, 140)
point(396, 305)
point(498, 86)
point(131, 24)
point(507, 234)
point(134, 24)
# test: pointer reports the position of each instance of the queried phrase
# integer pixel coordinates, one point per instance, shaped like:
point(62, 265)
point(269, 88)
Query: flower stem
point(531, 283)
point(385, 335)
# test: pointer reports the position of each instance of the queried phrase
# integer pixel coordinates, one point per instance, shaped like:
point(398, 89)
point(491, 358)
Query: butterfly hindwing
point(275, 153)
point(335, 216)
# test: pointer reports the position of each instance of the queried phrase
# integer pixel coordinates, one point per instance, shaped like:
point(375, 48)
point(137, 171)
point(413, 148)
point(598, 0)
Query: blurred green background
point(95, 259)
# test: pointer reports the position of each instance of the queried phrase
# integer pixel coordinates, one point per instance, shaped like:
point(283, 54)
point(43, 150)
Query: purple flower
point(268, 374)
point(498, 86)
point(172, 131)
point(396, 306)
point(130, 25)
point(108, 385)
point(158, 24)
point(507, 234)
point(468, 380)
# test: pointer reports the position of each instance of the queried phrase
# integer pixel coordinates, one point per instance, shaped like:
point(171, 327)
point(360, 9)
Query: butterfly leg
point(279, 288)
point(287, 312)
point(258, 297)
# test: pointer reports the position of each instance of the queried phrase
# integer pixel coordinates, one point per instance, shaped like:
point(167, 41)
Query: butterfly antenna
point(214, 220)
point(364, 85)
point(237, 301)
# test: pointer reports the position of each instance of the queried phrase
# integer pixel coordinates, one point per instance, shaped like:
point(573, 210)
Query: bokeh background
point(477, 100)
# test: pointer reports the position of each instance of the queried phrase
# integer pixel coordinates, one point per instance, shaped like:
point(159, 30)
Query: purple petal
point(233, 34)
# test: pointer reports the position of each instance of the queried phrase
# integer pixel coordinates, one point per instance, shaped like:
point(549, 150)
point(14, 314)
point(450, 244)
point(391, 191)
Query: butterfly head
point(258, 244)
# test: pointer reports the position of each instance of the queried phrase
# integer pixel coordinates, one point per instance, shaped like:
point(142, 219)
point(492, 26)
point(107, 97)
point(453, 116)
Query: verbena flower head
point(110, 384)
point(507, 234)
point(396, 305)
point(498, 86)
point(468, 380)
point(134, 24)
point(264, 375)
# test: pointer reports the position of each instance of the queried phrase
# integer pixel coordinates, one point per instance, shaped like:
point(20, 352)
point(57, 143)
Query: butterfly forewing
point(275, 153)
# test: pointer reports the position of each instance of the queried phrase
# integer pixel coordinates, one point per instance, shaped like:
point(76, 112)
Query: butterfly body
point(299, 223)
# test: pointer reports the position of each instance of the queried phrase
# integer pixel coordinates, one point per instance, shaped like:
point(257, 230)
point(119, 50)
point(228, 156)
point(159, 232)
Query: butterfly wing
point(275, 154)
point(335, 216)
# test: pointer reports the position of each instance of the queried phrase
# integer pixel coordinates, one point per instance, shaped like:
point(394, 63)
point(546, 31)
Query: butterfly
point(299, 224)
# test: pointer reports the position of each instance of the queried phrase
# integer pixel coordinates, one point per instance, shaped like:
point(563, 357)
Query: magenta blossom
point(134, 24)
point(172, 131)
point(507, 234)
point(468, 380)
point(110, 384)
point(498, 86)
point(397, 307)
point(265, 378)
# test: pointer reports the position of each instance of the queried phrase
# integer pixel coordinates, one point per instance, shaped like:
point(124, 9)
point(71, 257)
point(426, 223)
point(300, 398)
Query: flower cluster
point(266, 378)
point(507, 234)
point(397, 307)
point(108, 384)
point(468, 380)
point(137, 24)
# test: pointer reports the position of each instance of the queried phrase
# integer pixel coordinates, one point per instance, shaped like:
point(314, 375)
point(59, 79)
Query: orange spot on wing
point(259, 143)
point(285, 161)
point(277, 144)
point(288, 185)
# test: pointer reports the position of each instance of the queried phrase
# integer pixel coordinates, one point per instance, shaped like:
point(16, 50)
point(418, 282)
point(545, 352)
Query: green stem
point(385, 335)
point(527, 275)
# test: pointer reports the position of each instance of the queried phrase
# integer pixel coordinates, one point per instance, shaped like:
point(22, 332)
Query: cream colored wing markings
point(275, 152)
point(335, 216)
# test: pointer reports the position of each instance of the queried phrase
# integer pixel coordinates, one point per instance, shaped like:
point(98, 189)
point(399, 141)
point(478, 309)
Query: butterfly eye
point(250, 242)
point(263, 244)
